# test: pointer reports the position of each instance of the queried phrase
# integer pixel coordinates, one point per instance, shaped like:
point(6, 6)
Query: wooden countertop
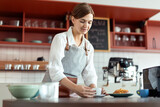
point(86, 102)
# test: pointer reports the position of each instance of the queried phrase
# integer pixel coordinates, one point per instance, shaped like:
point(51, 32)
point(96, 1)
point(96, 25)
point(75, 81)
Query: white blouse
point(57, 53)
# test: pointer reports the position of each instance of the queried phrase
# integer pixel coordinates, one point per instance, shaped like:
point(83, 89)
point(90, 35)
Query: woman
point(72, 55)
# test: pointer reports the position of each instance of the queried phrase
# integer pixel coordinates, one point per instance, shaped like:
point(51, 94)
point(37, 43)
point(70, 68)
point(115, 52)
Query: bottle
point(50, 39)
point(140, 81)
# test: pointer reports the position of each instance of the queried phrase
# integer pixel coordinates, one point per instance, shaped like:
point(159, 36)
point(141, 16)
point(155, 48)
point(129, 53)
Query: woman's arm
point(56, 54)
point(81, 90)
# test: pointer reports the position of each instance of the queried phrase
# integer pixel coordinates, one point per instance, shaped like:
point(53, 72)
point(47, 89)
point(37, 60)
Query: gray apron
point(74, 62)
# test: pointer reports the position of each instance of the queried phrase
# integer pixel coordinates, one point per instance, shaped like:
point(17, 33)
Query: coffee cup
point(127, 29)
point(143, 93)
point(138, 30)
point(117, 29)
point(98, 91)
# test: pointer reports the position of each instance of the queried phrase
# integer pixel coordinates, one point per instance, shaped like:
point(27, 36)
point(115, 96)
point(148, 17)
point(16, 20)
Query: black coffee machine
point(124, 62)
point(151, 80)
point(118, 67)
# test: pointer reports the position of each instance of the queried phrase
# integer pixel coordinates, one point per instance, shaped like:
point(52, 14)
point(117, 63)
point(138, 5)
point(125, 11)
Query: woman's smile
point(84, 29)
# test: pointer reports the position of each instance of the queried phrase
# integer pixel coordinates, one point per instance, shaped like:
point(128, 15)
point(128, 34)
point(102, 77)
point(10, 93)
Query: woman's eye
point(82, 21)
point(89, 22)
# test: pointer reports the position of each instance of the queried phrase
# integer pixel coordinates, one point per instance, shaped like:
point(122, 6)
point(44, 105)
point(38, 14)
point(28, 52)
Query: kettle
point(40, 59)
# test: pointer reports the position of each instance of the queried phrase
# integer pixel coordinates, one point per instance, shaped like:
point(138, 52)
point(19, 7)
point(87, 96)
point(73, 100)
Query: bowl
point(11, 39)
point(23, 91)
point(36, 41)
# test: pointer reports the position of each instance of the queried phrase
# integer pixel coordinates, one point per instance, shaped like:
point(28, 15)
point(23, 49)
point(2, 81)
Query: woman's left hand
point(104, 91)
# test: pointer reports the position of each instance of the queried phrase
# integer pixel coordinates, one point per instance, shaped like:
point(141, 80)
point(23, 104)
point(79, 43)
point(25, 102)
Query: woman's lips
point(84, 30)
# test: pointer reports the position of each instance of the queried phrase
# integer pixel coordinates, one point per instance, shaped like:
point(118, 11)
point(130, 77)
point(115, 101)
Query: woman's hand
point(104, 91)
point(84, 91)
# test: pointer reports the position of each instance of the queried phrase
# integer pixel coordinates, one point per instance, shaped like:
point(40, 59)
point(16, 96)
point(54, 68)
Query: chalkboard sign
point(99, 33)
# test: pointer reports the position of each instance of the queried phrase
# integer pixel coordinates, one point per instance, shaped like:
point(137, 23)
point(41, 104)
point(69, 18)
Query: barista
point(71, 55)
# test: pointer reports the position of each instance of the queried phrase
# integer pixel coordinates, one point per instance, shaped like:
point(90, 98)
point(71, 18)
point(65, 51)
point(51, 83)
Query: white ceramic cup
point(117, 29)
point(138, 30)
point(127, 29)
point(98, 91)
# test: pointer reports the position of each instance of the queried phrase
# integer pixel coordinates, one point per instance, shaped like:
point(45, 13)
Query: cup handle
point(138, 92)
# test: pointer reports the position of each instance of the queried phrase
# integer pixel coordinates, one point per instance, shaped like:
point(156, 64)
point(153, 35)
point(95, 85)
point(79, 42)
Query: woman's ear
point(72, 19)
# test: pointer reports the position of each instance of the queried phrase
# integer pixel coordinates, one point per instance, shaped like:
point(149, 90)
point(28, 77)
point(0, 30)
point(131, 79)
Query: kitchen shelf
point(25, 43)
point(42, 66)
point(132, 33)
point(131, 47)
point(130, 39)
point(23, 70)
point(25, 35)
point(10, 27)
point(42, 44)
point(46, 30)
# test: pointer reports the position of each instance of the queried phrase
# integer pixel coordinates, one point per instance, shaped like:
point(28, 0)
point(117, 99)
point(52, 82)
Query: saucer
point(121, 95)
point(99, 96)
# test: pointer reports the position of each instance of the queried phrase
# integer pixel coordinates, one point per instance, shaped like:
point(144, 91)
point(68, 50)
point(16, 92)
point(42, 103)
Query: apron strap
point(67, 46)
point(86, 50)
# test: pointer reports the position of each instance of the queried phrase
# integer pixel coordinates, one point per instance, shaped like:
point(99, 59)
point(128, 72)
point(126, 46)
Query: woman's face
point(82, 25)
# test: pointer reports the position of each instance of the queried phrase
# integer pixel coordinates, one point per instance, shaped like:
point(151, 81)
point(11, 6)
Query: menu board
point(99, 34)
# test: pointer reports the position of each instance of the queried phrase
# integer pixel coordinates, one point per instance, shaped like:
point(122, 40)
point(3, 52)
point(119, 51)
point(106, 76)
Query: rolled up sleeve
point(55, 66)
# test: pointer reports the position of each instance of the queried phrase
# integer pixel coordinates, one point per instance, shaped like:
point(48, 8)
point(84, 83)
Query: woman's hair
point(82, 9)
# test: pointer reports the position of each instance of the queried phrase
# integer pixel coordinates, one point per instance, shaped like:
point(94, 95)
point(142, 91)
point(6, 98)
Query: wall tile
point(2, 74)
point(101, 59)
point(2, 80)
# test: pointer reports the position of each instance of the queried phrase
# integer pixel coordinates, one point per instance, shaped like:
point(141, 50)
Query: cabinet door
point(153, 35)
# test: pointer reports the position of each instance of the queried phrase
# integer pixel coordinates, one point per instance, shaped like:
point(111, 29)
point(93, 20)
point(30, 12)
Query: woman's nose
point(85, 24)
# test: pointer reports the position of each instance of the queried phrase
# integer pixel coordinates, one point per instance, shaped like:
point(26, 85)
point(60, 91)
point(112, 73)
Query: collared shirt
point(57, 53)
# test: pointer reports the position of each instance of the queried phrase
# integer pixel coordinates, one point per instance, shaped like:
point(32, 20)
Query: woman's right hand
point(84, 91)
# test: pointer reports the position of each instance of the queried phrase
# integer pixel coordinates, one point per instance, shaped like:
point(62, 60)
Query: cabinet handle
point(154, 42)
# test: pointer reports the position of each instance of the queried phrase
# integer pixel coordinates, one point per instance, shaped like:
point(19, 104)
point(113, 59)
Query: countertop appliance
point(122, 68)
point(151, 80)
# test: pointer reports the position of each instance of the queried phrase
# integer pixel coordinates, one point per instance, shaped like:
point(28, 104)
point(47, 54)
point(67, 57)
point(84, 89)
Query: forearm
point(68, 84)
point(81, 90)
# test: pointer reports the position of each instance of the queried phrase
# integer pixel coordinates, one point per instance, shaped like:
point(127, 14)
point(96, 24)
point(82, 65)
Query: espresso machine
point(121, 69)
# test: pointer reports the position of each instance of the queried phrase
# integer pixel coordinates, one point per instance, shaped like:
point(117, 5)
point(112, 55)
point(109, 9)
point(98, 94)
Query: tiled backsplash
point(101, 59)
point(23, 53)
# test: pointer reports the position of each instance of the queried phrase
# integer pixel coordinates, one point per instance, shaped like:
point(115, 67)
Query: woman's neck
point(77, 37)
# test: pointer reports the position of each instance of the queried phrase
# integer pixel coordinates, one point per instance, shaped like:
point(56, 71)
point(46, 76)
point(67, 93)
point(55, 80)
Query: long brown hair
point(82, 9)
